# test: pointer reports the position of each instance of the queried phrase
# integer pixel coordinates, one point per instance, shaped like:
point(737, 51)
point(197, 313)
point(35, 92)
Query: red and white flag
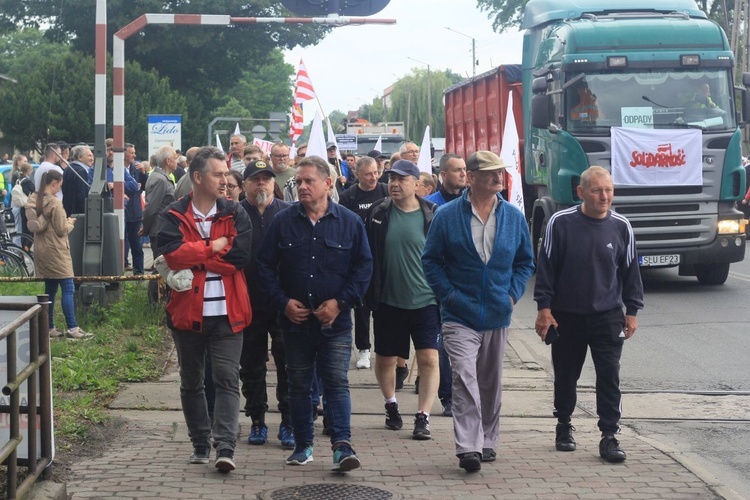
point(303, 91)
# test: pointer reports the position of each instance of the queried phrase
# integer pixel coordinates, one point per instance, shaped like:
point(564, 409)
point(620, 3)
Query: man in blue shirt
point(315, 265)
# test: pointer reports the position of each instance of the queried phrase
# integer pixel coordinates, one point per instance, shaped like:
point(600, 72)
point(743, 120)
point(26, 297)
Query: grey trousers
point(477, 362)
point(225, 348)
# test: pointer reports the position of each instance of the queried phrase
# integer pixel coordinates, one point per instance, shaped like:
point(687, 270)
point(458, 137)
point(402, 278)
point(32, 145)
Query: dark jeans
point(224, 347)
point(307, 346)
point(362, 327)
point(133, 243)
point(253, 366)
point(66, 300)
point(446, 374)
point(600, 332)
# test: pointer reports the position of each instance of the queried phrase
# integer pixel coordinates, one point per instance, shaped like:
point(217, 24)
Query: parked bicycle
point(15, 260)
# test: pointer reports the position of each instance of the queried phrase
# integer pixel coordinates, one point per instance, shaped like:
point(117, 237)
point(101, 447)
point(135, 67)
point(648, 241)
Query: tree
point(504, 13)
point(202, 62)
point(409, 102)
point(54, 97)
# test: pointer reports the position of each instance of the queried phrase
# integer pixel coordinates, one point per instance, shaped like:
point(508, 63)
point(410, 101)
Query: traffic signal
point(340, 7)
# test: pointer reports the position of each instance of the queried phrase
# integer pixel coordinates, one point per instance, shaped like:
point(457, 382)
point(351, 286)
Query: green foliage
point(505, 14)
point(54, 97)
point(203, 63)
point(409, 102)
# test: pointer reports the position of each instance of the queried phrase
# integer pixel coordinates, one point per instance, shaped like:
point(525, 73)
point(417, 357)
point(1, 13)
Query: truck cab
point(644, 89)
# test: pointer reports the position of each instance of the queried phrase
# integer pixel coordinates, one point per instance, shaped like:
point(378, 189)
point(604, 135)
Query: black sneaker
point(200, 455)
point(448, 408)
point(564, 437)
point(326, 428)
point(421, 427)
point(609, 450)
point(225, 461)
point(470, 462)
point(401, 373)
point(488, 455)
point(393, 418)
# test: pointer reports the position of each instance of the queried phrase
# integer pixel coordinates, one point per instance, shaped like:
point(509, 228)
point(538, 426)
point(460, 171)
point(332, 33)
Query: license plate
point(659, 260)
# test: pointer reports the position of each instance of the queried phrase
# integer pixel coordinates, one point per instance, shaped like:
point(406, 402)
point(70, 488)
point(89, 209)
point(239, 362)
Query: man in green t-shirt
point(403, 304)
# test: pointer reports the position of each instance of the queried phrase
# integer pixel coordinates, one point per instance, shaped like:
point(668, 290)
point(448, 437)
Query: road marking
point(739, 276)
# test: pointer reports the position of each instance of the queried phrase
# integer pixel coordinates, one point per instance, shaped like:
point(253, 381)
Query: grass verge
point(131, 344)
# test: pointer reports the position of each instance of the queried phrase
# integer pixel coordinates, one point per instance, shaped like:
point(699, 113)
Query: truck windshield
point(650, 99)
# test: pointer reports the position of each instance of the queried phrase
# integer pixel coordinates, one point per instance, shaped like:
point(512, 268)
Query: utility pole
point(474, 49)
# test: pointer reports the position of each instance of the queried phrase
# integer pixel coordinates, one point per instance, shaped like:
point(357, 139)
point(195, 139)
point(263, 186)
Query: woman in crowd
point(47, 221)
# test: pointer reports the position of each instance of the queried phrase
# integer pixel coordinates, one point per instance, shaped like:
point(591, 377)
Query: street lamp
point(429, 91)
point(473, 50)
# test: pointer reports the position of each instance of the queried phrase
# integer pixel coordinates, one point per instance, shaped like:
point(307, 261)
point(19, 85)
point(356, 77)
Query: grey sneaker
point(78, 334)
point(55, 333)
point(200, 455)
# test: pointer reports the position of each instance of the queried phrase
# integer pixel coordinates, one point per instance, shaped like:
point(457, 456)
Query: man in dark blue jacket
point(133, 208)
point(315, 265)
point(477, 259)
point(75, 180)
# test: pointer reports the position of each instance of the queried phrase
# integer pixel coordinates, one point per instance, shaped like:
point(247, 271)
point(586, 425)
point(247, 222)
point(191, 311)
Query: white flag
point(509, 155)
point(332, 138)
point(379, 144)
point(218, 143)
point(316, 145)
point(237, 129)
point(424, 163)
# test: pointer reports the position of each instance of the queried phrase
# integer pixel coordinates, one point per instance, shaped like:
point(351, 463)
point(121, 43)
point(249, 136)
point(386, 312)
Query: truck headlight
point(732, 226)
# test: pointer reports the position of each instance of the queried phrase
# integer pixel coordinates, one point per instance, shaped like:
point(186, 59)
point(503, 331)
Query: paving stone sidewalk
point(150, 460)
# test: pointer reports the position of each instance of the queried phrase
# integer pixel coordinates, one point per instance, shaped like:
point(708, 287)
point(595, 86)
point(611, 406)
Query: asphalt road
point(690, 338)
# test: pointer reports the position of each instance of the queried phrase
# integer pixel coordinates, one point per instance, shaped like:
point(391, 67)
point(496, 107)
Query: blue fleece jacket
point(470, 292)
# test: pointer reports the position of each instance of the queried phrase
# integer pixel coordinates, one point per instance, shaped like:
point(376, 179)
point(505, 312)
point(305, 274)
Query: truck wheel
point(712, 274)
point(539, 238)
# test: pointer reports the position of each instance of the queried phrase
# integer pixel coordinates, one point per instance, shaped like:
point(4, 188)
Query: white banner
point(644, 157)
point(264, 146)
point(164, 130)
point(509, 155)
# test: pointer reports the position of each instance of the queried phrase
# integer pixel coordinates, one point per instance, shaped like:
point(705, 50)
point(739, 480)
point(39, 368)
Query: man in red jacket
point(211, 236)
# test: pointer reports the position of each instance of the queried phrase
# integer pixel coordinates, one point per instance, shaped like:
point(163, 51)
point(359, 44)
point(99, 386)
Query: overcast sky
point(354, 64)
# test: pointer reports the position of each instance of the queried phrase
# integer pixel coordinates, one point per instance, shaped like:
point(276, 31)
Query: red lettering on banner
point(663, 158)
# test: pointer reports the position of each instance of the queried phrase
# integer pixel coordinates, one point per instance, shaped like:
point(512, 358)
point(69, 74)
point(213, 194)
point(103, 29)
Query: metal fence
point(37, 374)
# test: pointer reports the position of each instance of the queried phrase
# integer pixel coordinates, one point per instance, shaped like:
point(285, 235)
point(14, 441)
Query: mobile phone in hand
point(552, 335)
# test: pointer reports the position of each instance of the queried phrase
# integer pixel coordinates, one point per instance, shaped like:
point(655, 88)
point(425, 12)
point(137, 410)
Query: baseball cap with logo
point(255, 167)
point(484, 160)
point(404, 167)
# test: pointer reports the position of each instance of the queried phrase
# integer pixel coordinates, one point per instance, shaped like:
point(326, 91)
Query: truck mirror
point(540, 116)
point(539, 85)
point(746, 79)
point(745, 105)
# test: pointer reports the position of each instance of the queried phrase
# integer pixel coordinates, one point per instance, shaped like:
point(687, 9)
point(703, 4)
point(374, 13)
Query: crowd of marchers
point(304, 251)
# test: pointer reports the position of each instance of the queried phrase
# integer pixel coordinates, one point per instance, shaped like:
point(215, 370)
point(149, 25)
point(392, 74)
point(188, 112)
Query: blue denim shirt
point(312, 264)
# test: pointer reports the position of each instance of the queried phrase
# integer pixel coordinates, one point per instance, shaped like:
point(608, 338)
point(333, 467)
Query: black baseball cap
point(255, 167)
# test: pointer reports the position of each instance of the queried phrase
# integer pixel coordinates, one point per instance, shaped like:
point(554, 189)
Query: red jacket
point(184, 248)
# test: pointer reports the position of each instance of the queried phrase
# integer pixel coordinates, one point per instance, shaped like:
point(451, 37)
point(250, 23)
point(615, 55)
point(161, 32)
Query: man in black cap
point(262, 207)
point(404, 307)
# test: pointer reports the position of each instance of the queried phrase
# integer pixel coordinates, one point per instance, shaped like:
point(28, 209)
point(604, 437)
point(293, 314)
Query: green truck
point(644, 89)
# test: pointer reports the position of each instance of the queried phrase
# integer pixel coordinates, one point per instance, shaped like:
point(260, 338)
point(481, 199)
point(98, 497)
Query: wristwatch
point(342, 304)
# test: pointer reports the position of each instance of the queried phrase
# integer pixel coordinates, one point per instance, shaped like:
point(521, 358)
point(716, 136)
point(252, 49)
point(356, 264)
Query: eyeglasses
point(232, 186)
point(280, 156)
point(411, 152)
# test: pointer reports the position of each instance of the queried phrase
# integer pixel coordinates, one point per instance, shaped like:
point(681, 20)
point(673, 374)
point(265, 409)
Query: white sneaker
point(54, 333)
point(364, 359)
point(78, 334)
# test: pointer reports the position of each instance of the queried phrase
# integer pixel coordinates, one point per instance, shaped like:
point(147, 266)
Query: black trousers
point(602, 333)
point(362, 327)
point(253, 366)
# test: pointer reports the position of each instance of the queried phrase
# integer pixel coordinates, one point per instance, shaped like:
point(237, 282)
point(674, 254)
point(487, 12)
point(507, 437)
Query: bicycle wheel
point(27, 242)
point(11, 265)
point(26, 258)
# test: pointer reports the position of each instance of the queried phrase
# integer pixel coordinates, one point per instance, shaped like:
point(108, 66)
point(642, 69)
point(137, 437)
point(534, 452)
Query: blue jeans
point(68, 306)
point(133, 243)
point(225, 348)
point(307, 347)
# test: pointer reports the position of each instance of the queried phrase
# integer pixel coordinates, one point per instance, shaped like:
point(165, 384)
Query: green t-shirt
point(404, 284)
